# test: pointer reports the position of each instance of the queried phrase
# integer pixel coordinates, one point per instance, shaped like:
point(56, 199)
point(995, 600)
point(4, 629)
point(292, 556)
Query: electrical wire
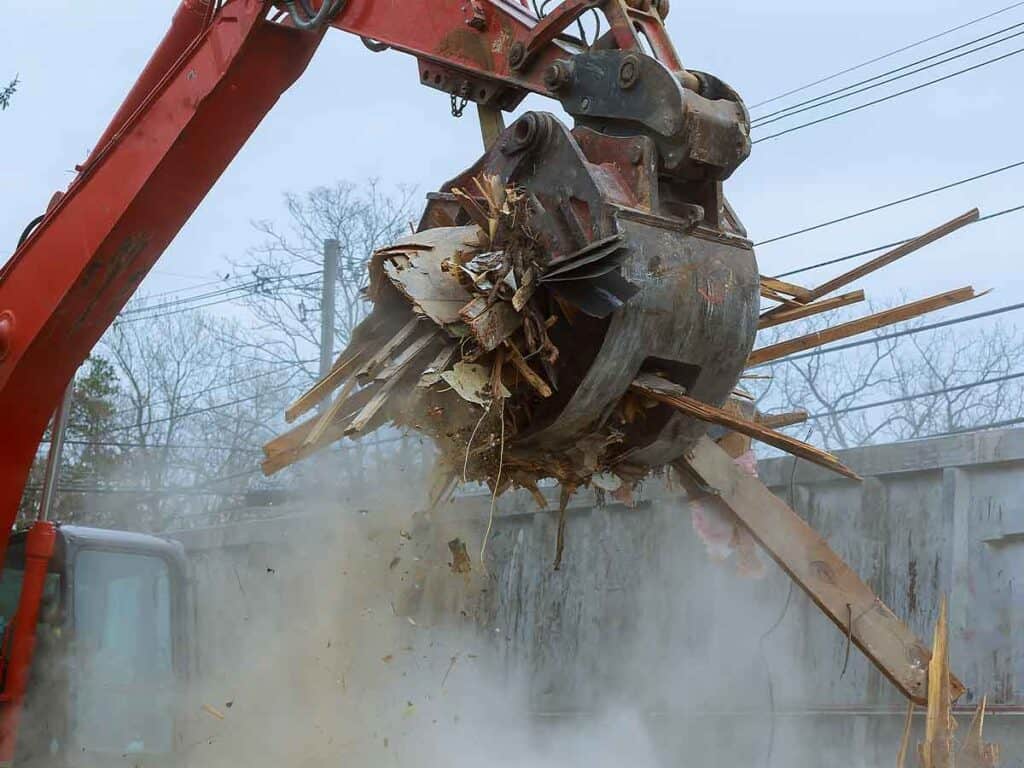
point(889, 54)
point(887, 246)
point(257, 284)
point(889, 97)
point(917, 396)
point(854, 90)
point(224, 385)
point(893, 335)
point(886, 73)
point(894, 203)
point(197, 411)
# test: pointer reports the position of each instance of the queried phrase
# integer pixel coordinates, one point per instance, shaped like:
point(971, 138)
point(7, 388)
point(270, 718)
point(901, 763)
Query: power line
point(893, 335)
point(869, 84)
point(197, 411)
point(888, 55)
point(990, 425)
point(890, 97)
point(223, 385)
point(155, 447)
point(893, 203)
point(253, 285)
point(887, 246)
point(918, 396)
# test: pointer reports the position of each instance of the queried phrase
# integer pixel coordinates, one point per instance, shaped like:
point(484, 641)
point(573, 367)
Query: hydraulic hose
point(304, 18)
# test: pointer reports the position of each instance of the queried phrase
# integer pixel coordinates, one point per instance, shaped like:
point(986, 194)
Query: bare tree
point(287, 266)
point(7, 92)
point(194, 412)
point(936, 378)
point(913, 386)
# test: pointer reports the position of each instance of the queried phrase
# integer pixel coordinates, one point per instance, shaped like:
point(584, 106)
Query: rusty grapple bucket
point(543, 281)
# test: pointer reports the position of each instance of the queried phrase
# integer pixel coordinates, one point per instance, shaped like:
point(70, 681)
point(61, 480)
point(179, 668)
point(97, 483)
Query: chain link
point(458, 105)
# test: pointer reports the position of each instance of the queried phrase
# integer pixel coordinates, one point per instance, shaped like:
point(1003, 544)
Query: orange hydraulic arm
point(221, 67)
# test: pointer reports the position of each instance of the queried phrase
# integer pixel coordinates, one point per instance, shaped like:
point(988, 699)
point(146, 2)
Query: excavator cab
point(112, 650)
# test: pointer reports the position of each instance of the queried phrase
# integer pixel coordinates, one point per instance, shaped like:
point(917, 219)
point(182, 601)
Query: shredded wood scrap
point(479, 335)
point(938, 750)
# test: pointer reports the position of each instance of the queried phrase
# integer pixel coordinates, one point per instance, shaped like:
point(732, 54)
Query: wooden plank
point(669, 393)
point(278, 460)
point(343, 367)
point(381, 355)
point(330, 414)
point(407, 355)
point(490, 325)
point(785, 314)
point(819, 571)
point(369, 410)
point(432, 373)
point(783, 299)
point(896, 253)
point(780, 420)
point(937, 748)
point(531, 376)
point(861, 325)
point(789, 289)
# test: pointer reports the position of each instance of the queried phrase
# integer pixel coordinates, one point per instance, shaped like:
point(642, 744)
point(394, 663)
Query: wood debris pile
point(939, 749)
point(480, 334)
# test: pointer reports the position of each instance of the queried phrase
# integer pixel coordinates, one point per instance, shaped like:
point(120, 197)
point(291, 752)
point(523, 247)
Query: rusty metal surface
point(696, 310)
point(698, 137)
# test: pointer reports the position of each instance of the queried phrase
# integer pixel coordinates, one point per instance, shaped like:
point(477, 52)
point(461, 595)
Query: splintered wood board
point(833, 586)
point(672, 394)
point(861, 325)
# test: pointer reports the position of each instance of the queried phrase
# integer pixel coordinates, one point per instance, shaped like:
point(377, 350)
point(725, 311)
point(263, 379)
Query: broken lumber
point(803, 554)
point(341, 370)
point(492, 324)
point(532, 377)
point(896, 253)
point(780, 420)
point(788, 314)
point(861, 325)
point(670, 393)
point(937, 748)
point(789, 289)
point(380, 357)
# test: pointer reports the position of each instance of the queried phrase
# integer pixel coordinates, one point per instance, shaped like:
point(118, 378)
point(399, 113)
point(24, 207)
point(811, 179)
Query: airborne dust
point(346, 637)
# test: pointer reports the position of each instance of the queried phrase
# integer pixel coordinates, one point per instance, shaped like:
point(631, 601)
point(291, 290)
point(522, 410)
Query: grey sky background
point(77, 59)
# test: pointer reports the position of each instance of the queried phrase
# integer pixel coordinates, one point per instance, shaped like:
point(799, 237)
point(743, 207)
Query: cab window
point(124, 692)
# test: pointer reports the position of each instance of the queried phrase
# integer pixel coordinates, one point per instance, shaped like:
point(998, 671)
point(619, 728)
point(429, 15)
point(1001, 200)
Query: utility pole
point(332, 250)
point(52, 476)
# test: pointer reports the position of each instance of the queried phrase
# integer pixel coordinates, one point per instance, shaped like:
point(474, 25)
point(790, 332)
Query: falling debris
point(212, 711)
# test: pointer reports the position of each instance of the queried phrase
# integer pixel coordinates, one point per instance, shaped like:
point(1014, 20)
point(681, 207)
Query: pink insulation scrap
point(723, 534)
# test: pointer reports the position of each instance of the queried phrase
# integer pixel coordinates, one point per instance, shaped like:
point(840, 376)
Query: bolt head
point(516, 54)
point(6, 332)
point(557, 76)
point(629, 71)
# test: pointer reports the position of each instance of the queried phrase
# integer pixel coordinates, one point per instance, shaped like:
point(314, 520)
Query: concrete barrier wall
point(639, 609)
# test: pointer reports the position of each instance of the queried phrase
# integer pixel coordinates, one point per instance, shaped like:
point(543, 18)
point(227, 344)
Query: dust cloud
point(344, 637)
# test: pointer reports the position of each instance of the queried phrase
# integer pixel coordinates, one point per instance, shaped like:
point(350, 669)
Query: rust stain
point(912, 586)
point(466, 45)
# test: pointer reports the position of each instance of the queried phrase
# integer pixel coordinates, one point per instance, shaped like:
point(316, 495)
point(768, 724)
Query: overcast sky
point(76, 60)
